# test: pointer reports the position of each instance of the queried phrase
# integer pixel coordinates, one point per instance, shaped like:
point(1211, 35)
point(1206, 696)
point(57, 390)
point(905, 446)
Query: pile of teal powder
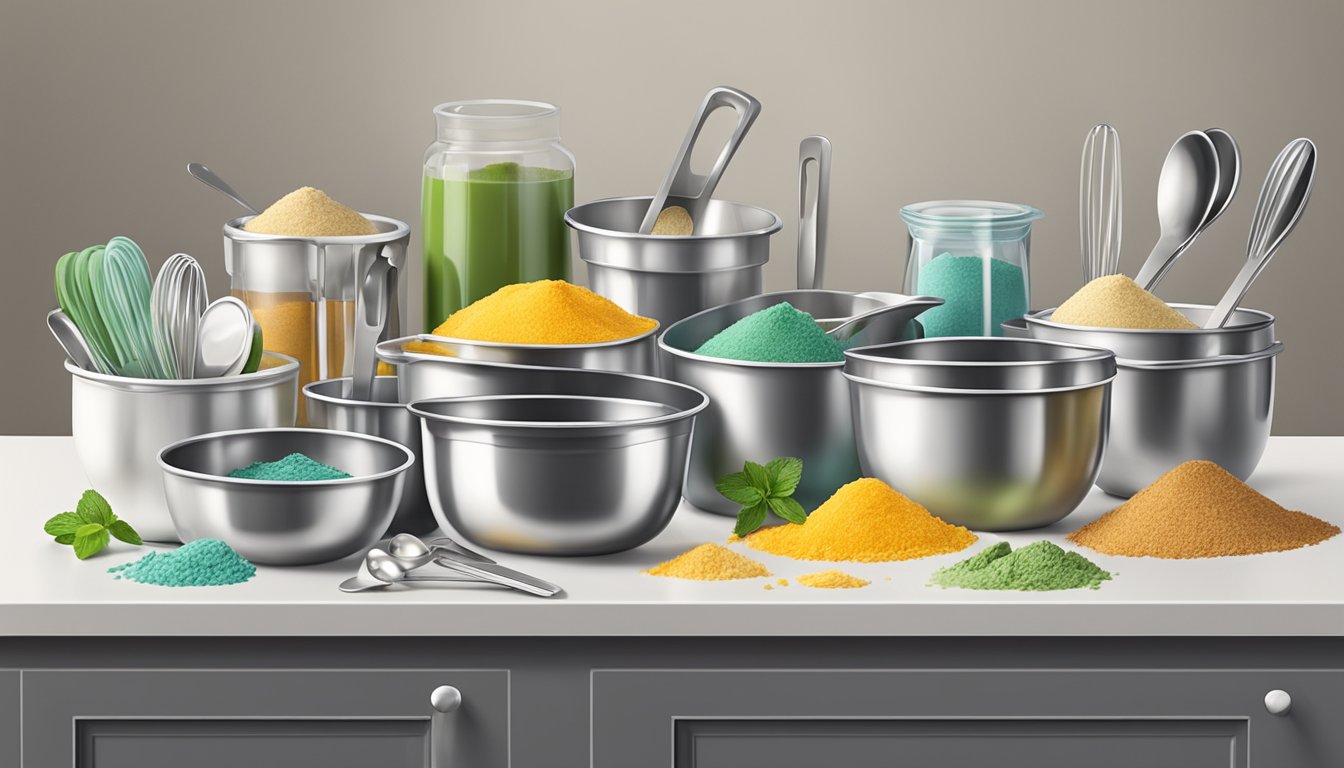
point(778, 334)
point(294, 467)
point(200, 563)
point(959, 281)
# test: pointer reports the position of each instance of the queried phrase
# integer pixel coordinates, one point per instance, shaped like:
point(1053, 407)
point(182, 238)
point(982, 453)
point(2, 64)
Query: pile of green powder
point(1041, 566)
point(200, 563)
point(959, 281)
point(294, 467)
point(778, 334)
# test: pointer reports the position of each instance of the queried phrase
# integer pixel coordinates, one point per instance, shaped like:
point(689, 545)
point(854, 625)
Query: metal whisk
point(1100, 212)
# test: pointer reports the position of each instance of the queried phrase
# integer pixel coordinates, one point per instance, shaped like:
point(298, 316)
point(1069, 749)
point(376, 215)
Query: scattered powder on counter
point(541, 312)
point(865, 521)
point(778, 334)
point(309, 212)
point(710, 562)
point(1199, 509)
point(199, 563)
point(959, 281)
point(294, 467)
point(1038, 567)
point(783, 582)
point(1116, 301)
point(832, 580)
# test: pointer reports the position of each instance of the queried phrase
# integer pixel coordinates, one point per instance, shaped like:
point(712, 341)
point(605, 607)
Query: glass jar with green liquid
point(497, 183)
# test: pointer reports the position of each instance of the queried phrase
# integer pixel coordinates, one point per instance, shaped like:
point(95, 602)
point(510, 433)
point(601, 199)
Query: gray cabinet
point(957, 718)
point(263, 718)
point(11, 695)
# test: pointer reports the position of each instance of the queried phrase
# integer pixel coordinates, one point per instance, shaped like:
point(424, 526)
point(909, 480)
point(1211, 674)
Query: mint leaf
point(738, 489)
point(65, 522)
point(66, 538)
point(93, 508)
point(785, 474)
point(90, 539)
point(758, 476)
point(788, 509)
point(124, 532)
point(750, 518)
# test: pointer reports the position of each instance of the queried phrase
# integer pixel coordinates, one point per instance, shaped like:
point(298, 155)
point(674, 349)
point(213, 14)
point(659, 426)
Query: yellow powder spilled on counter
point(783, 582)
point(543, 312)
point(309, 212)
point(1116, 301)
point(832, 580)
point(865, 521)
point(710, 562)
point(1200, 509)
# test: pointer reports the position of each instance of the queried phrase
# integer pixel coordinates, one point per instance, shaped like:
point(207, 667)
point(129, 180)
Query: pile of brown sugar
point(710, 562)
point(1200, 509)
point(309, 212)
point(1116, 301)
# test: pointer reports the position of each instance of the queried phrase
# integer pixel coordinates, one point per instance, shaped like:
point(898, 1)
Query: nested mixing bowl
point(996, 434)
point(637, 354)
point(1248, 330)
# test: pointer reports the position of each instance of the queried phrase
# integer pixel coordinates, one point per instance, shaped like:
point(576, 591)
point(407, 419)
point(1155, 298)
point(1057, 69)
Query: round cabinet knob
point(447, 699)
point(1278, 702)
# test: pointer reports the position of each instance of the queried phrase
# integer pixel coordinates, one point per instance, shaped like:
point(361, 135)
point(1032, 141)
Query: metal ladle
point(1186, 190)
point(210, 179)
point(901, 313)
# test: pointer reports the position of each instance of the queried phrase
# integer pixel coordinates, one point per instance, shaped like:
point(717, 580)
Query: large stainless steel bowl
point(285, 523)
point(120, 425)
point(996, 434)
point(383, 416)
point(762, 411)
point(637, 354)
point(1248, 330)
point(551, 474)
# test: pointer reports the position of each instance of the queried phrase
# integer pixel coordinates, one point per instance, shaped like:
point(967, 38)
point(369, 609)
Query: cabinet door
point(263, 719)
point(961, 718)
point(11, 689)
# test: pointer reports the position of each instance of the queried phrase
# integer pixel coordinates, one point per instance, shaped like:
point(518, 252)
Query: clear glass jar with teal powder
point(973, 254)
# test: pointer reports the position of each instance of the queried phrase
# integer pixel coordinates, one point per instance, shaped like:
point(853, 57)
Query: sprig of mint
point(762, 490)
point(90, 527)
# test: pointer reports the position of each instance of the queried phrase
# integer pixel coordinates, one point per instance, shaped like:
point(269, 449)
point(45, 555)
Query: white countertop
point(1300, 593)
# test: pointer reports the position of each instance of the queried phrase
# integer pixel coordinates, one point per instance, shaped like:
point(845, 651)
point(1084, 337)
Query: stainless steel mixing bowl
point(577, 474)
point(382, 416)
point(996, 434)
point(762, 411)
point(120, 425)
point(1164, 413)
point(285, 523)
point(669, 278)
point(637, 354)
point(1248, 330)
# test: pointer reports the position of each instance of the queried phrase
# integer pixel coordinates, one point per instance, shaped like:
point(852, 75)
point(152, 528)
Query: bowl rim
point(233, 230)
point(864, 381)
point(429, 337)
point(248, 482)
point(1090, 354)
point(776, 225)
point(289, 366)
point(677, 414)
point(1043, 317)
point(307, 391)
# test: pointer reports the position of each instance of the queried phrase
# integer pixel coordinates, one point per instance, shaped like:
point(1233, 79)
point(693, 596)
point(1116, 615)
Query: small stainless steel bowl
point(285, 523)
point(383, 416)
point(996, 434)
point(120, 424)
point(637, 354)
point(1247, 331)
point(669, 278)
point(548, 474)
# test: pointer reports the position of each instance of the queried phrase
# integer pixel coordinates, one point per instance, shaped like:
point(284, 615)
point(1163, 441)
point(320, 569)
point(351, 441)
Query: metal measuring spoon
point(208, 177)
point(223, 339)
point(900, 314)
point(72, 341)
point(1186, 190)
point(411, 550)
point(365, 580)
point(1229, 172)
point(384, 566)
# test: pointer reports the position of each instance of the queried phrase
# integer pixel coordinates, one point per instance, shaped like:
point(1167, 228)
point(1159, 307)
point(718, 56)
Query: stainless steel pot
point(1219, 409)
point(996, 434)
point(762, 411)
point(120, 425)
point(1247, 331)
point(382, 416)
point(637, 354)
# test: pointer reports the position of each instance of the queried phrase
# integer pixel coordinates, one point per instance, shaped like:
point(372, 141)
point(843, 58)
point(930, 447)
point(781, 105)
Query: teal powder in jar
point(960, 281)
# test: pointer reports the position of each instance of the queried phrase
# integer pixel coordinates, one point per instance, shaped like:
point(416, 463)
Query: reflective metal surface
point(1249, 331)
point(120, 425)
point(761, 411)
point(560, 474)
point(382, 416)
point(636, 354)
point(995, 434)
point(285, 523)
point(1186, 190)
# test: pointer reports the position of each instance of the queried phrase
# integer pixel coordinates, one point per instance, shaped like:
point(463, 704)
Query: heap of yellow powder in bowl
point(865, 521)
point(1200, 509)
point(1116, 301)
point(710, 562)
point(309, 212)
point(551, 312)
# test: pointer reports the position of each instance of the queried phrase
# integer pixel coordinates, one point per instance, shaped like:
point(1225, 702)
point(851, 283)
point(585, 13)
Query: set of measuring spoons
point(408, 560)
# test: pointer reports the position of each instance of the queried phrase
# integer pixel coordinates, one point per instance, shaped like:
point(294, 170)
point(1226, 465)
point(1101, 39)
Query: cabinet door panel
point(11, 687)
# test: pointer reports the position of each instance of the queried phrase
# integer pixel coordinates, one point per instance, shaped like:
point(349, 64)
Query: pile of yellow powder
point(710, 562)
point(1200, 509)
point(1116, 301)
point(865, 521)
point(832, 580)
point(543, 312)
point(309, 212)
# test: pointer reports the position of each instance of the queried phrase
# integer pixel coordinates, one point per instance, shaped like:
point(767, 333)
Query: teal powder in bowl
point(778, 334)
point(959, 281)
point(292, 468)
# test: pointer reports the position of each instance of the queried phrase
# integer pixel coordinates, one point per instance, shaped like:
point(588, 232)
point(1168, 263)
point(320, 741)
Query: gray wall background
point(103, 104)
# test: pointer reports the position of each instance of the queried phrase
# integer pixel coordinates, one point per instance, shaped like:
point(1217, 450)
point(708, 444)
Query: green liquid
point(498, 225)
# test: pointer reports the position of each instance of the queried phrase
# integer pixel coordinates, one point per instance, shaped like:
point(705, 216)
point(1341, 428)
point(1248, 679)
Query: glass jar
point(497, 184)
point(973, 254)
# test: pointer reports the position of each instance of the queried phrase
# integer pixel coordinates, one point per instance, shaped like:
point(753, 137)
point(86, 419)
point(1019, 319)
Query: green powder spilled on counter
point(1041, 566)
point(959, 281)
point(294, 467)
point(200, 563)
point(778, 334)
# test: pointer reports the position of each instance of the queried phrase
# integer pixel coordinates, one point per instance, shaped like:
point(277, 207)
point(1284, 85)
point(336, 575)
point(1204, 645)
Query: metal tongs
point(408, 559)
